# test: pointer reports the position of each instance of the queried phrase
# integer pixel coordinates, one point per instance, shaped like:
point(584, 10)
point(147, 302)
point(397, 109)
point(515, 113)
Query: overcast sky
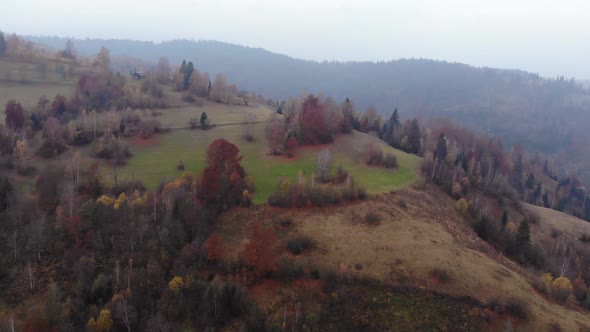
point(545, 37)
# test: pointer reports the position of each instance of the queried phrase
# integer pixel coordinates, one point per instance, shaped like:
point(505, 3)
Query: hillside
point(410, 241)
point(545, 115)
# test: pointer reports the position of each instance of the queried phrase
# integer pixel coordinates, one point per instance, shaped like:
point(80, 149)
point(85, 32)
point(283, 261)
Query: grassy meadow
point(155, 160)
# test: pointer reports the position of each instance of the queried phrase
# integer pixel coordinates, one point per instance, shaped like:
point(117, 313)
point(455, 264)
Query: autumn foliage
point(224, 180)
point(15, 115)
point(314, 127)
point(260, 253)
point(214, 246)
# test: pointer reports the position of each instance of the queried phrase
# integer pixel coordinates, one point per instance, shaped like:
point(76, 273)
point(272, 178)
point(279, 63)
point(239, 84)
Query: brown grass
point(405, 247)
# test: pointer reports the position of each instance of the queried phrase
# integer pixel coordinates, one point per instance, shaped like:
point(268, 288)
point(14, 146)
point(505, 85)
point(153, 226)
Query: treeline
point(126, 258)
point(489, 183)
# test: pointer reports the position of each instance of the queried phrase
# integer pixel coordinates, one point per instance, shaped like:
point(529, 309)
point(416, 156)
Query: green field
point(157, 161)
point(218, 114)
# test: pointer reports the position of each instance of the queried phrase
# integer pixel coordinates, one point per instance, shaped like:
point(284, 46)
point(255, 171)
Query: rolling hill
point(545, 115)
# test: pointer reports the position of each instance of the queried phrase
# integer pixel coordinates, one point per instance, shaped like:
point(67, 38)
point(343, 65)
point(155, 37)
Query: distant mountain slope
point(547, 115)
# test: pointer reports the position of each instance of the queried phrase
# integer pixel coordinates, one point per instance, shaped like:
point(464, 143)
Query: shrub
point(561, 288)
point(193, 123)
point(462, 205)
point(372, 218)
point(374, 155)
point(402, 203)
point(543, 284)
point(440, 275)
point(585, 238)
point(112, 149)
point(287, 269)
point(148, 127)
point(298, 244)
point(517, 308)
point(580, 289)
point(390, 161)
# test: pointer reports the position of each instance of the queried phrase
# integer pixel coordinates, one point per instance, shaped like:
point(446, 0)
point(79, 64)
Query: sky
point(546, 37)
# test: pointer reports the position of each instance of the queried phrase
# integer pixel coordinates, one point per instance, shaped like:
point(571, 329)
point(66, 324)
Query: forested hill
point(547, 115)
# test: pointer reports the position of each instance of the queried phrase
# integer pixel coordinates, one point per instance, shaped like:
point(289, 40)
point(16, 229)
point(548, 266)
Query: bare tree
point(124, 311)
point(323, 165)
point(37, 229)
point(248, 125)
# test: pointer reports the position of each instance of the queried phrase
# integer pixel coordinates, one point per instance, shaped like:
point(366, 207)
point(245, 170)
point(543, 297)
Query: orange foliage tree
point(214, 246)
point(260, 253)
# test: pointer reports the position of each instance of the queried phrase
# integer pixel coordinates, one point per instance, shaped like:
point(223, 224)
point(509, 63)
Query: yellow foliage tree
point(546, 282)
point(105, 200)
point(104, 323)
point(122, 199)
point(462, 205)
point(176, 284)
point(562, 289)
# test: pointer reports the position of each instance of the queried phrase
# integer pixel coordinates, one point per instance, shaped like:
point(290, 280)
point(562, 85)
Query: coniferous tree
point(2, 44)
point(391, 130)
point(182, 67)
point(441, 151)
point(523, 234)
point(188, 71)
point(413, 133)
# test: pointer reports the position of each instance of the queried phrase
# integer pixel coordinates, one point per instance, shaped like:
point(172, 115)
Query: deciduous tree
point(260, 253)
point(15, 115)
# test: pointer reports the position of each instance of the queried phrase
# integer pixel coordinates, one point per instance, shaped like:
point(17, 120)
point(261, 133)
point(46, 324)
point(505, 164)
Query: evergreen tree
point(182, 67)
point(441, 152)
point(414, 136)
point(188, 71)
point(2, 44)
point(203, 120)
point(530, 181)
point(504, 218)
point(523, 235)
point(391, 129)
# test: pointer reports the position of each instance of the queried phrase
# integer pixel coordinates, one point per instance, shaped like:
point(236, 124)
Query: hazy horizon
point(546, 37)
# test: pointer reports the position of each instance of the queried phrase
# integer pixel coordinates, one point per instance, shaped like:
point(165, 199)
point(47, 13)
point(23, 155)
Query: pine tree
point(441, 151)
point(504, 218)
point(203, 120)
point(182, 67)
point(188, 71)
point(523, 235)
point(530, 181)
point(2, 44)
point(414, 136)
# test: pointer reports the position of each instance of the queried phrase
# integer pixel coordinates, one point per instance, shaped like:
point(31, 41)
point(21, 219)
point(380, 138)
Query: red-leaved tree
point(314, 129)
point(214, 246)
point(15, 115)
point(223, 181)
point(261, 252)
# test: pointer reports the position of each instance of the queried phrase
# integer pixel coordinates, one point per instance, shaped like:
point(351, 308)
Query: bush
point(517, 308)
point(390, 161)
point(402, 203)
point(372, 218)
point(562, 289)
point(585, 238)
point(193, 123)
point(148, 127)
point(440, 275)
point(111, 149)
point(580, 289)
point(298, 244)
point(462, 205)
